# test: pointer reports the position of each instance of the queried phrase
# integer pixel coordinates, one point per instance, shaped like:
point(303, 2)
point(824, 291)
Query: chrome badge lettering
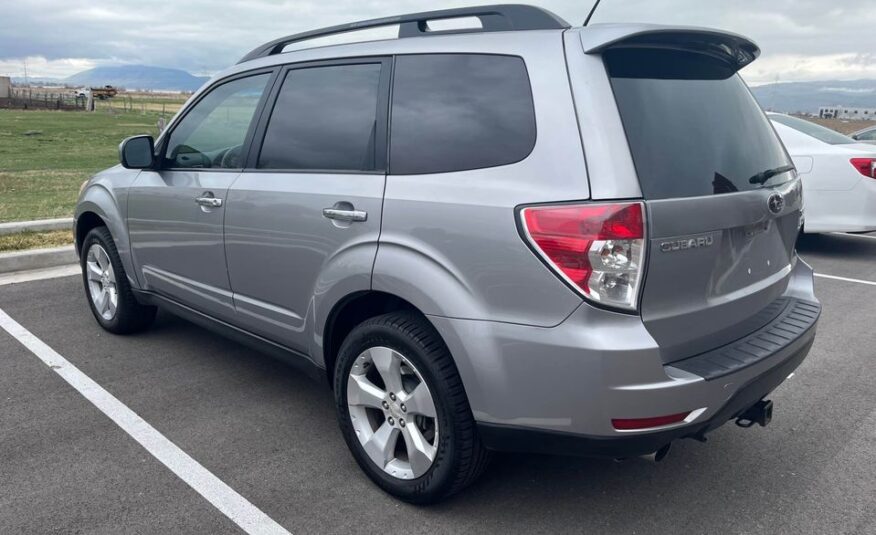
point(687, 243)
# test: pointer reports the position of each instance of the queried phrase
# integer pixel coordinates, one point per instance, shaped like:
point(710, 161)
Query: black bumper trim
point(511, 438)
point(784, 330)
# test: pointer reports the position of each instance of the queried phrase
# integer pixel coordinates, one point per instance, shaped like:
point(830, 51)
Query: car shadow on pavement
point(850, 246)
point(270, 432)
point(516, 488)
point(697, 485)
point(518, 492)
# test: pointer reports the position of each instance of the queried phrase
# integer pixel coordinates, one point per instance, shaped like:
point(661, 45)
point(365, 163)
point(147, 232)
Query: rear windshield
point(817, 131)
point(692, 125)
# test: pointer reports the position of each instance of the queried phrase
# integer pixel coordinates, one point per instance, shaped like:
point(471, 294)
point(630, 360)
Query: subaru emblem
point(776, 202)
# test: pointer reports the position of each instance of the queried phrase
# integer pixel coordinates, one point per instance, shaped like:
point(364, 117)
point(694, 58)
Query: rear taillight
point(597, 248)
point(865, 166)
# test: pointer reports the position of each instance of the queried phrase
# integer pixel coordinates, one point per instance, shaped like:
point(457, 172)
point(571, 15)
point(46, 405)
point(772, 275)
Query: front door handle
point(209, 202)
point(345, 215)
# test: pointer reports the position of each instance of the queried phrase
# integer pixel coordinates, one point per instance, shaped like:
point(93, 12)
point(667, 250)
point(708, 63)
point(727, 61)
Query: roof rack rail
point(495, 18)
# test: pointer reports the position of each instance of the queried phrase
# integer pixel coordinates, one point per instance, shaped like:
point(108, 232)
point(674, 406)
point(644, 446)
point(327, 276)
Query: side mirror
point(854, 136)
point(137, 152)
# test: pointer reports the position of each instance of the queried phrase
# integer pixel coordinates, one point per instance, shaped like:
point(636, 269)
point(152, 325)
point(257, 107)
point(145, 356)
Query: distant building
point(5, 87)
point(842, 112)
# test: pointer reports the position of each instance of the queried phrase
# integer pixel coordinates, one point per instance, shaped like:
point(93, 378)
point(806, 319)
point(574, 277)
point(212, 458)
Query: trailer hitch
point(760, 413)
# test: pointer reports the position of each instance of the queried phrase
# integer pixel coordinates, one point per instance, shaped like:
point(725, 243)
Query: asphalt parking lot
point(269, 433)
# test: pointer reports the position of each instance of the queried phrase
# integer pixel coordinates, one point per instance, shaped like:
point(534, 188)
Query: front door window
point(212, 133)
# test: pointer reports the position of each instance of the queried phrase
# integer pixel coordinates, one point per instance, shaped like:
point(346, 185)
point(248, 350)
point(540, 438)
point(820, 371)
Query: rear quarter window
point(453, 112)
point(325, 118)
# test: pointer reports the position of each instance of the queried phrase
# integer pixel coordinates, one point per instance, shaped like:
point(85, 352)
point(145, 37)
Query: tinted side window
point(324, 118)
point(212, 133)
point(452, 112)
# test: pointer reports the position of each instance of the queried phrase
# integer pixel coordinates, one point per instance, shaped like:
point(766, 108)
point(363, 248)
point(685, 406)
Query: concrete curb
point(37, 259)
point(39, 225)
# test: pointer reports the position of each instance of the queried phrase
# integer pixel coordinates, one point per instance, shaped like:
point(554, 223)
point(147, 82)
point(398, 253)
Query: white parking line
point(39, 274)
point(214, 490)
point(846, 279)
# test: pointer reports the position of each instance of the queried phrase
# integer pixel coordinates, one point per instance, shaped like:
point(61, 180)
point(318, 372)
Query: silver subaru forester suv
point(520, 236)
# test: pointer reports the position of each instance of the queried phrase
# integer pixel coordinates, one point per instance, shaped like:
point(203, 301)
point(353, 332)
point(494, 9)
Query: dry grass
point(843, 126)
point(166, 104)
point(35, 240)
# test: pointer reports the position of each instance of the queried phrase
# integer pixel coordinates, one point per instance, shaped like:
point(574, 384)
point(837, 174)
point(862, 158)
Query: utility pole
point(26, 81)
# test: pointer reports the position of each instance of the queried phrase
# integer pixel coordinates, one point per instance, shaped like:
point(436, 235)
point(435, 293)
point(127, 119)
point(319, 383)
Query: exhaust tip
point(658, 455)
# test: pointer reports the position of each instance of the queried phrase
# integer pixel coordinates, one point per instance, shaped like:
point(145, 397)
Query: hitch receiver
point(760, 413)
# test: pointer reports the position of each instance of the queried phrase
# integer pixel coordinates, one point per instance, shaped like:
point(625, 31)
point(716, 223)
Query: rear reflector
point(865, 166)
point(627, 424)
point(598, 248)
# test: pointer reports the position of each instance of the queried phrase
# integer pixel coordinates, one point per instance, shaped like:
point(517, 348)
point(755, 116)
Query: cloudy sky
point(800, 39)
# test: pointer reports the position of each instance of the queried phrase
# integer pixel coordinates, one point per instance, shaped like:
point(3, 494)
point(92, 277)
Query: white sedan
point(867, 135)
point(838, 173)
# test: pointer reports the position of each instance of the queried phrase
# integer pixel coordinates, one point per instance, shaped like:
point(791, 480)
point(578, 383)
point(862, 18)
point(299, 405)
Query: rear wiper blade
point(763, 176)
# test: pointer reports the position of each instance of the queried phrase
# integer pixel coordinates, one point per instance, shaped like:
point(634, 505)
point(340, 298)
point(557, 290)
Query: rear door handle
point(209, 202)
point(345, 215)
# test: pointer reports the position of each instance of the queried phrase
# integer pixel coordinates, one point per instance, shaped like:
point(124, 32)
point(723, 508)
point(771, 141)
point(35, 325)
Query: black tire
point(461, 457)
point(130, 315)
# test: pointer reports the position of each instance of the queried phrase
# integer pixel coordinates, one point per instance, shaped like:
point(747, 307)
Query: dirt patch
point(843, 126)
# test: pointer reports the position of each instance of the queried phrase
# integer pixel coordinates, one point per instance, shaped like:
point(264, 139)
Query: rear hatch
point(722, 198)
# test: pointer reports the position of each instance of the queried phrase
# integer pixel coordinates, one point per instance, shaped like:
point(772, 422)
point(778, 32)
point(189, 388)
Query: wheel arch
point(98, 206)
point(349, 312)
point(85, 223)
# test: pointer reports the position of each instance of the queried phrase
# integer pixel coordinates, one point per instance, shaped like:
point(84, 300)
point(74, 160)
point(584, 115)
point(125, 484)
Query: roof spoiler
point(728, 47)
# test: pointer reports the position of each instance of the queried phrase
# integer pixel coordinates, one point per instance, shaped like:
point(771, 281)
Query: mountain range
point(138, 77)
point(804, 97)
point(143, 77)
point(807, 97)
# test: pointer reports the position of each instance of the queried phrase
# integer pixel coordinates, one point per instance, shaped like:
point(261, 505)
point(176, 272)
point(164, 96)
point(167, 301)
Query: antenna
point(592, 10)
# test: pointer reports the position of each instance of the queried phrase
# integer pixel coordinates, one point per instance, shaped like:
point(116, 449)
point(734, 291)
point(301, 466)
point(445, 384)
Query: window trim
point(381, 140)
point(436, 53)
point(161, 146)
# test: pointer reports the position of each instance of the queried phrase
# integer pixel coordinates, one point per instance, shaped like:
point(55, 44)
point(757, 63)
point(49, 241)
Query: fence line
point(29, 99)
point(24, 98)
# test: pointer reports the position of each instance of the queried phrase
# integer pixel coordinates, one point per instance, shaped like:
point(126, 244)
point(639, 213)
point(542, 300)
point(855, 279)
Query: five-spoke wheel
point(109, 294)
point(403, 411)
point(101, 281)
point(392, 412)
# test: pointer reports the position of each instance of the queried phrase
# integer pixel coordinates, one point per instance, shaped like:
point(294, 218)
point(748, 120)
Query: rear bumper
point(556, 390)
point(511, 438)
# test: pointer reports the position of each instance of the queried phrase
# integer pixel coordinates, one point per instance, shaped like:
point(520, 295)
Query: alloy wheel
point(101, 281)
point(393, 413)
